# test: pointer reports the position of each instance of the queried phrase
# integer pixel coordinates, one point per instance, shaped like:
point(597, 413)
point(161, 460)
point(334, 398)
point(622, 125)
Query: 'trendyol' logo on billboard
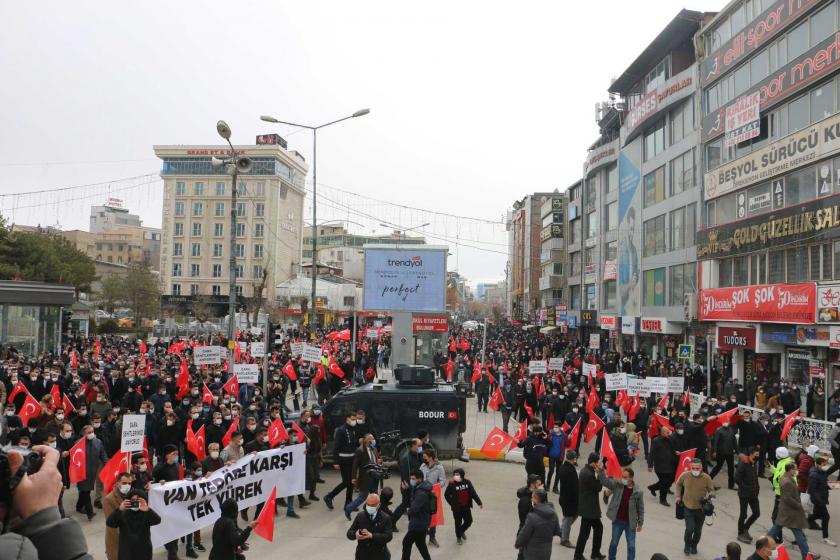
point(416, 260)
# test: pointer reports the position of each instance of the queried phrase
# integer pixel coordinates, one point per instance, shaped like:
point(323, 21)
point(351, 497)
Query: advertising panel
point(768, 303)
point(610, 270)
point(675, 89)
point(601, 156)
point(729, 338)
point(828, 304)
point(430, 323)
point(405, 279)
point(594, 341)
point(813, 336)
point(628, 325)
point(743, 120)
point(589, 317)
point(629, 203)
point(608, 322)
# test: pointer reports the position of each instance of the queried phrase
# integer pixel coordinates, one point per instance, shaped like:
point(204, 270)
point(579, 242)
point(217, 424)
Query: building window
point(217, 249)
point(349, 301)
point(682, 121)
point(589, 256)
point(195, 270)
point(575, 260)
point(177, 249)
point(557, 269)
point(740, 271)
point(683, 281)
point(592, 224)
point(574, 231)
point(216, 290)
point(179, 229)
point(242, 191)
point(822, 102)
point(240, 229)
point(609, 294)
point(690, 224)
point(591, 297)
point(259, 230)
point(218, 230)
point(179, 209)
point(612, 178)
point(713, 155)
point(611, 251)
point(797, 265)
point(198, 209)
point(258, 251)
point(655, 236)
point(240, 209)
point(196, 249)
point(220, 209)
point(220, 188)
point(823, 24)
point(196, 230)
point(655, 141)
point(240, 271)
point(260, 190)
point(239, 291)
point(801, 186)
point(574, 294)
point(193, 289)
point(611, 216)
point(654, 287)
point(799, 114)
point(198, 189)
point(176, 289)
point(217, 271)
point(259, 209)
point(258, 271)
point(682, 172)
point(180, 188)
point(176, 269)
point(776, 267)
point(655, 187)
point(240, 251)
point(677, 229)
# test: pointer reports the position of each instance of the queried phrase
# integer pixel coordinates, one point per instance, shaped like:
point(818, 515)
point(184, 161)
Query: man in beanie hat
point(166, 471)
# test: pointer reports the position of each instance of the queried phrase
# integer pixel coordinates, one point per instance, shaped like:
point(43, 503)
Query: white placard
point(372, 333)
point(258, 349)
point(616, 381)
point(207, 355)
point(638, 387)
point(247, 373)
point(133, 430)
point(189, 505)
point(676, 384)
point(537, 367)
point(594, 341)
point(657, 384)
point(297, 348)
point(311, 353)
point(589, 370)
point(555, 364)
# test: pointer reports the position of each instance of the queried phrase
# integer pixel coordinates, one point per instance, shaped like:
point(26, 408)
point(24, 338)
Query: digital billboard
point(405, 279)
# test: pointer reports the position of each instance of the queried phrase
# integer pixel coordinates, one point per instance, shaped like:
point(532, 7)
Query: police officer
point(345, 447)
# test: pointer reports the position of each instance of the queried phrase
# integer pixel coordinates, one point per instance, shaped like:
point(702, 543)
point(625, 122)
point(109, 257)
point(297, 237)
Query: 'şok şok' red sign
point(776, 303)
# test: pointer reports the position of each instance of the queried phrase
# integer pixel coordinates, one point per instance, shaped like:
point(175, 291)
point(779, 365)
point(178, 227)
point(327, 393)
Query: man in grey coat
point(95, 458)
point(626, 510)
point(540, 527)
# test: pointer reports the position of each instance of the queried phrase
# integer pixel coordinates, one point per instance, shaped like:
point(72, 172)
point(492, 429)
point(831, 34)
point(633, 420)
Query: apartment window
point(589, 256)
point(179, 229)
point(242, 191)
point(239, 291)
point(196, 230)
point(682, 172)
point(259, 209)
point(826, 261)
point(797, 265)
point(574, 295)
point(240, 209)
point(196, 249)
point(690, 224)
point(823, 23)
point(195, 270)
point(179, 208)
point(801, 186)
point(822, 101)
point(759, 67)
point(683, 281)
point(591, 301)
point(611, 251)
point(612, 178)
point(611, 216)
point(655, 236)
point(180, 188)
point(798, 113)
point(797, 40)
point(713, 155)
point(609, 294)
point(682, 121)
point(198, 189)
point(592, 224)
point(260, 189)
point(176, 289)
point(220, 209)
point(740, 271)
point(837, 260)
point(110, 258)
point(216, 290)
point(574, 258)
point(259, 230)
point(240, 230)
point(574, 231)
point(193, 289)
point(655, 141)
point(198, 209)
point(240, 251)
point(816, 258)
point(258, 272)
point(655, 187)
point(742, 79)
point(654, 287)
point(240, 271)
point(758, 268)
point(776, 267)
point(176, 269)
point(218, 230)
point(217, 271)
point(220, 188)
point(217, 249)
point(177, 249)
point(258, 251)
point(557, 269)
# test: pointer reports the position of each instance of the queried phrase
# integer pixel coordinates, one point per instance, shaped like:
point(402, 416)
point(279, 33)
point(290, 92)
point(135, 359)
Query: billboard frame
point(407, 247)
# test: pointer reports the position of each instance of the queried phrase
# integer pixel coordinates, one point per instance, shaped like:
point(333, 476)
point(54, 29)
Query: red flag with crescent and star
point(289, 370)
point(592, 427)
point(30, 409)
point(18, 388)
point(77, 467)
point(521, 432)
point(277, 433)
point(658, 421)
point(496, 400)
point(234, 427)
point(790, 419)
point(496, 442)
point(684, 462)
point(231, 386)
point(120, 462)
point(574, 436)
point(613, 467)
point(265, 520)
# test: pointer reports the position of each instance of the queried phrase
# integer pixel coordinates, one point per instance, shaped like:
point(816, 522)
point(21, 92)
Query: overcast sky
point(473, 103)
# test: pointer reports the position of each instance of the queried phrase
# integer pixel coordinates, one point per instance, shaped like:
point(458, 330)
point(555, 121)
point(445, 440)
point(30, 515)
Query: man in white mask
point(372, 530)
point(110, 503)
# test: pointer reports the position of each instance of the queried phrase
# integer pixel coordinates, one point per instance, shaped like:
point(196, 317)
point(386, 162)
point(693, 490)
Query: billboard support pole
point(353, 350)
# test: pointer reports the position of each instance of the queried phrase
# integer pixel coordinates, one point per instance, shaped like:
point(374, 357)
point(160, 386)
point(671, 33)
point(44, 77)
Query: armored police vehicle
point(398, 410)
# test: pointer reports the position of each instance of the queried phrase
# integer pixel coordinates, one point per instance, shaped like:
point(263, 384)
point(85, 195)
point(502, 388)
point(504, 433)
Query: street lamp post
point(313, 321)
point(234, 165)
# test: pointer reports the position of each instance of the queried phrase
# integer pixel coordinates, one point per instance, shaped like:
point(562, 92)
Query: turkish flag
point(663, 404)
point(608, 453)
point(30, 409)
point(496, 442)
point(206, 395)
point(476, 375)
point(448, 368)
point(334, 369)
point(237, 352)
point(686, 398)
point(74, 360)
point(620, 397)
point(183, 382)
point(718, 421)
point(490, 377)
point(17, 389)
point(234, 426)
point(574, 436)
point(289, 370)
point(320, 375)
point(592, 427)
point(658, 421)
point(196, 442)
point(67, 405)
point(627, 404)
point(231, 386)
point(55, 392)
point(684, 462)
point(529, 410)
point(120, 462)
point(301, 436)
point(521, 432)
point(143, 348)
point(496, 400)
point(550, 424)
point(77, 468)
point(437, 517)
point(592, 399)
point(565, 427)
point(788, 424)
point(96, 347)
point(538, 387)
point(277, 433)
point(265, 520)
point(784, 555)
point(634, 408)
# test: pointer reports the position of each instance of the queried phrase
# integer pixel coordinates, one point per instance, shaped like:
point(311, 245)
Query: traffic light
point(269, 336)
point(66, 317)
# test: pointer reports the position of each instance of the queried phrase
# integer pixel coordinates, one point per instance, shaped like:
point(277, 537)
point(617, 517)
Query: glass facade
point(201, 166)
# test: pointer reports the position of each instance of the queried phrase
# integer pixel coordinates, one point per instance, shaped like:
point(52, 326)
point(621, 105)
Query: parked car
point(101, 315)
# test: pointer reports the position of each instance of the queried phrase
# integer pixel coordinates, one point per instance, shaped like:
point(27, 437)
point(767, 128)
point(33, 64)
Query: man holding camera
point(363, 478)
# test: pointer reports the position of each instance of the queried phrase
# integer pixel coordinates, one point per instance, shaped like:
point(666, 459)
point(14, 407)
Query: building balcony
point(551, 282)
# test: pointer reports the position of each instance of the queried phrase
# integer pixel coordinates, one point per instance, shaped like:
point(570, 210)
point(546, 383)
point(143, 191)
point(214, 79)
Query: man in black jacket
point(409, 462)
point(747, 478)
point(227, 537)
point(168, 470)
point(534, 450)
point(372, 530)
point(663, 461)
point(345, 444)
point(642, 420)
point(460, 495)
point(724, 446)
point(568, 476)
point(590, 508)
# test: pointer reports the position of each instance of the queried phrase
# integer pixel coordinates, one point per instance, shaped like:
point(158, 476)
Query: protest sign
point(133, 430)
point(616, 381)
point(247, 373)
point(658, 384)
point(676, 384)
point(589, 370)
point(555, 364)
point(372, 333)
point(297, 348)
point(638, 387)
point(207, 355)
point(258, 349)
point(311, 353)
point(189, 505)
point(537, 367)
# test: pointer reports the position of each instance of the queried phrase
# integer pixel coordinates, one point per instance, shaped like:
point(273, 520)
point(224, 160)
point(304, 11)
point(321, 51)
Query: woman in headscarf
point(227, 537)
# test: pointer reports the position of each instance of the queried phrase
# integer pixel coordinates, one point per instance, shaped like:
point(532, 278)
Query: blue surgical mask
point(420, 449)
point(373, 443)
point(412, 483)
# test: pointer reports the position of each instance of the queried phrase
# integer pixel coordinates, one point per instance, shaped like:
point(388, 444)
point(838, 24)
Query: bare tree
point(258, 299)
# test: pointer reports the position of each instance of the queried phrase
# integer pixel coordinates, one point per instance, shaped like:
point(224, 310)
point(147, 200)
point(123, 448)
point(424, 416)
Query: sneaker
point(282, 502)
point(745, 538)
point(314, 498)
point(433, 542)
point(191, 553)
point(199, 547)
point(694, 550)
point(293, 515)
point(320, 481)
point(460, 541)
point(91, 516)
point(664, 503)
point(347, 514)
point(829, 542)
point(567, 544)
point(328, 502)
point(303, 502)
point(686, 551)
point(464, 536)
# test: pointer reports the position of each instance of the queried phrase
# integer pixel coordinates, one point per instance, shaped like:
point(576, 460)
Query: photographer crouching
point(31, 523)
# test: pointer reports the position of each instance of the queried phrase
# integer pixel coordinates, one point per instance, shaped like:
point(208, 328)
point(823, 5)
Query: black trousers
point(836, 466)
point(538, 469)
point(663, 484)
point(821, 512)
point(729, 459)
point(694, 519)
point(346, 484)
point(552, 465)
point(415, 538)
point(597, 528)
point(463, 520)
point(752, 502)
point(83, 503)
point(645, 442)
point(483, 398)
point(505, 418)
point(406, 501)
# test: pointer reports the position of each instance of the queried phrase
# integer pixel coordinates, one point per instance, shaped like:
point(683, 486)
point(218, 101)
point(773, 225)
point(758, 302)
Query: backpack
point(433, 502)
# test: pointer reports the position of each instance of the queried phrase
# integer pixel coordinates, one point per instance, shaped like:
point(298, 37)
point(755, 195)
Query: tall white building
point(195, 245)
point(112, 215)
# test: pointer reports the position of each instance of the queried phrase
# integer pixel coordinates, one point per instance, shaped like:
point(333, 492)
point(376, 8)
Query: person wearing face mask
point(765, 549)
point(168, 469)
point(95, 458)
point(213, 461)
point(590, 508)
point(234, 450)
point(111, 503)
point(216, 429)
point(133, 519)
point(541, 526)
point(101, 406)
point(663, 461)
point(460, 495)
point(11, 422)
point(534, 449)
point(408, 463)
point(818, 491)
point(140, 473)
point(228, 538)
point(482, 391)
point(361, 478)
point(724, 446)
point(507, 404)
point(746, 476)
point(419, 516)
point(626, 510)
point(372, 530)
point(344, 449)
point(170, 431)
point(556, 447)
point(433, 473)
point(791, 513)
point(569, 489)
point(692, 487)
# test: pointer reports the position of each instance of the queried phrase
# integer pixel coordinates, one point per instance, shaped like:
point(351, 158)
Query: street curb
point(514, 456)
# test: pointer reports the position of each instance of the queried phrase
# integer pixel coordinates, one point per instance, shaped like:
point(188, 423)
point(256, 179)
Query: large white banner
point(188, 505)
point(616, 381)
point(207, 355)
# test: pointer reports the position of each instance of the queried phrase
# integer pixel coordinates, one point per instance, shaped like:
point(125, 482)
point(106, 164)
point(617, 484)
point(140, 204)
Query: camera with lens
point(8, 483)
point(377, 471)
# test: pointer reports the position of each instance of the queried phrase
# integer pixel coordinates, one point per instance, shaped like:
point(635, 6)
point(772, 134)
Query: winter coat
point(818, 486)
point(227, 537)
point(636, 505)
point(419, 512)
point(534, 450)
point(110, 504)
point(134, 532)
point(434, 474)
point(569, 489)
point(724, 442)
point(590, 486)
point(806, 463)
point(536, 535)
point(381, 527)
point(556, 445)
point(359, 471)
point(95, 459)
point(454, 488)
point(523, 506)
point(791, 513)
point(662, 456)
point(619, 444)
point(746, 477)
point(39, 535)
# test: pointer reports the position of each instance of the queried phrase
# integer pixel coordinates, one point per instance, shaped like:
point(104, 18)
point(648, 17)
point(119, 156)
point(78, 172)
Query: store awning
point(546, 330)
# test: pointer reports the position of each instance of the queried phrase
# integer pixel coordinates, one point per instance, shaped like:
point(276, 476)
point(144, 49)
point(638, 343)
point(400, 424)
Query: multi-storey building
point(111, 215)
point(524, 223)
point(337, 237)
point(770, 131)
point(195, 244)
point(553, 260)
